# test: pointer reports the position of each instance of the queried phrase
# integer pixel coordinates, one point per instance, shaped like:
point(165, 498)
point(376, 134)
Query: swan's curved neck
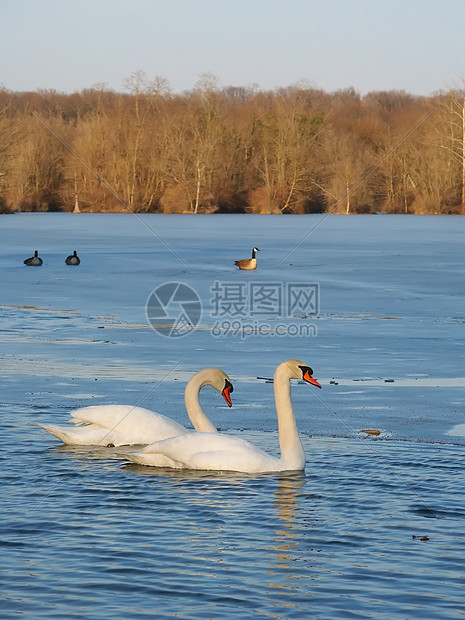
point(191, 397)
point(292, 452)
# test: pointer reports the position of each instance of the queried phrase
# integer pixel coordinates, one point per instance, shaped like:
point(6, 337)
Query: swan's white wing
point(128, 424)
point(207, 451)
point(115, 424)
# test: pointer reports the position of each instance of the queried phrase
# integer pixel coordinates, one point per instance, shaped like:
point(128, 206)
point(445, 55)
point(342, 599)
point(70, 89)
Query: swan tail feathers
point(78, 436)
point(153, 460)
point(59, 432)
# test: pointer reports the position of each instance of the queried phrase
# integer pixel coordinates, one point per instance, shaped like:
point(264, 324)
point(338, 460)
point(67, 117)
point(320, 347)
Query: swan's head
point(307, 375)
point(218, 380)
point(295, 369)
point(226, 391)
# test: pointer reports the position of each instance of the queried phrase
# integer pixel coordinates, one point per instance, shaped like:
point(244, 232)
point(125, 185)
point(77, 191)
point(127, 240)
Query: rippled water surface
point(374, 526)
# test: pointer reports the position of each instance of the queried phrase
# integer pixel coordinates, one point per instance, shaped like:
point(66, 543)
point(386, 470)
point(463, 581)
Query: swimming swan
point(73, 259)
point(248, 263)
point(208, 451)
point(119, 425)
point(33, 261)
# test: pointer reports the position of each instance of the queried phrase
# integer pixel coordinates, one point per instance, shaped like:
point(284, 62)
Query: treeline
point(235, 149)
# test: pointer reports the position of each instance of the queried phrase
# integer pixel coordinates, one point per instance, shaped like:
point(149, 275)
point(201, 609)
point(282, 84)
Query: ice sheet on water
point(391, 308)
point(457, 431)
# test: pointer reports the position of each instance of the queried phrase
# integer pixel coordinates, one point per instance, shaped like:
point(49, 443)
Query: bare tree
point(451, 132)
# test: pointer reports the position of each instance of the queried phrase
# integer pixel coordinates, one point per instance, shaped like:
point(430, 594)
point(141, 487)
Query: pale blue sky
point(68, 45)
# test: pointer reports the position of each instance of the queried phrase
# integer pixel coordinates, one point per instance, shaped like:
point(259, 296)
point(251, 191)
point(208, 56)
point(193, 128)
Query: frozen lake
point(374, 304)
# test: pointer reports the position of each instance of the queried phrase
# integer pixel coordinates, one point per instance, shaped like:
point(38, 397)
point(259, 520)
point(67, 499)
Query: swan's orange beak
point(226, 393)
point(308, 377)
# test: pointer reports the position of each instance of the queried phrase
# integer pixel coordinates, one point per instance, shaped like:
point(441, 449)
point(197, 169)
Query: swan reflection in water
point(287, 505)
point(223, 517)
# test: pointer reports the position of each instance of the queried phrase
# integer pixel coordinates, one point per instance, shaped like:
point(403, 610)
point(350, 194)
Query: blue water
point(374, 526)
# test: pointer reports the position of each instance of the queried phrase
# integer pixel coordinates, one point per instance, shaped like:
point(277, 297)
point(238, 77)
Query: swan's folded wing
point(103, 415)
point(206, 451)
point(130, 425)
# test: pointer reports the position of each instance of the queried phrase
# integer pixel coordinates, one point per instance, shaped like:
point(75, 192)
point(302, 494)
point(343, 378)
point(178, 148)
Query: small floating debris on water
point(388, 380)
point(423, 538)
point(372, 431)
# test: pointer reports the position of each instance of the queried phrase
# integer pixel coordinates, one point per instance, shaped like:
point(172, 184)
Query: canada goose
point(248, 263)
point(34, 261)
point(73, 259)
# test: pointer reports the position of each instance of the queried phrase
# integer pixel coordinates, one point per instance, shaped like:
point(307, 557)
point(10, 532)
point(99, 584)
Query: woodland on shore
point(231, 150)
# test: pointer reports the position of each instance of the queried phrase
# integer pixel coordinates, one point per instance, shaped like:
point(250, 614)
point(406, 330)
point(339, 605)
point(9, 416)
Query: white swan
point(209, 451)
point(119, 425)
